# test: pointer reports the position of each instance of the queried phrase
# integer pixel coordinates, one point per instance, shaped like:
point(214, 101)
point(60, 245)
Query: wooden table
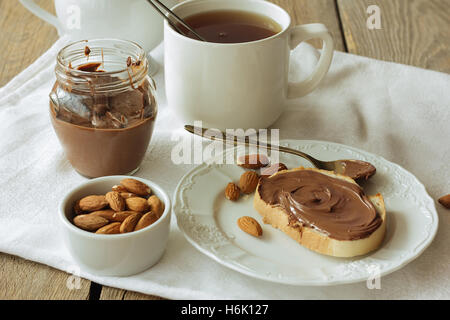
point(414, 32)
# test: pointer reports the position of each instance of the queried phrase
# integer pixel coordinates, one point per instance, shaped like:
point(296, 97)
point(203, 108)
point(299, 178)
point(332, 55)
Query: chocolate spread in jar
point(104, 133)
point(332, 206)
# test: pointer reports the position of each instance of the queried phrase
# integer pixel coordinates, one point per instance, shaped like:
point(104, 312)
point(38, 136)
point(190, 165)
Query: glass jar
point(103, 106)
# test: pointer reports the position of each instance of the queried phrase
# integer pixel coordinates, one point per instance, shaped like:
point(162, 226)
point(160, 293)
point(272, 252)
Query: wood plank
point(312, 11)
point(109, 293)
point(22, 279)
point(24, 37)
point(414, 32)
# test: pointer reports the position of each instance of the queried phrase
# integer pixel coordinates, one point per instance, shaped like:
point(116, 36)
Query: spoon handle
point(234, 140)
point(170, 16)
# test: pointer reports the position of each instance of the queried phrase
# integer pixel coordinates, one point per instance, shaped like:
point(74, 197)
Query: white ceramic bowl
point(119, 254)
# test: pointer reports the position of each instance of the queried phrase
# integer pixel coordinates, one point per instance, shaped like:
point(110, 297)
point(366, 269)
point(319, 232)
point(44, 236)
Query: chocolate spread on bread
point(335, 207)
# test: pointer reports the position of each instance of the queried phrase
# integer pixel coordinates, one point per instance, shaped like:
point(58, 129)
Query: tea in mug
point(232, 26)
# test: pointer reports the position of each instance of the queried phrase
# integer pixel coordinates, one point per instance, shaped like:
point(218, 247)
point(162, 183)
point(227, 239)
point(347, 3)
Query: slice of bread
point(314, 239)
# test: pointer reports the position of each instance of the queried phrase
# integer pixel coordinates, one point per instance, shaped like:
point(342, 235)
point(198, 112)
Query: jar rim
point(59, 59)
point(81, 80)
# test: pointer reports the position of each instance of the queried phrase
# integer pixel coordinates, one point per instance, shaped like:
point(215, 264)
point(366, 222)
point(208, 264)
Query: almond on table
point(445, 201)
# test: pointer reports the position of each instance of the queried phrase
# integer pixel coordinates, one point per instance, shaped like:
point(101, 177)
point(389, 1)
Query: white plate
point(208, 221)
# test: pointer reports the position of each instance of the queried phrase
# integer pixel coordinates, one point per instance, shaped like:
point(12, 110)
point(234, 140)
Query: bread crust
point(315, 240)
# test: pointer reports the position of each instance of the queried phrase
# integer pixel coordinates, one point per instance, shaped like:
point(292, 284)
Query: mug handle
point(41, 13)
point(307, 32)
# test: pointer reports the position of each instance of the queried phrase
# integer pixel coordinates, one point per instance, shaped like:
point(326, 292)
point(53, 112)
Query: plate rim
point(316, 283)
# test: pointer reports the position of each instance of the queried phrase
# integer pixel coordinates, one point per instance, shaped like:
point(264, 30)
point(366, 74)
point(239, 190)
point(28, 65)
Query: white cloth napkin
point(396, 111)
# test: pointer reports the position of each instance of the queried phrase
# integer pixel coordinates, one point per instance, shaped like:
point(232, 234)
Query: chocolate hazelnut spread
point(357, 169)
point(332, 206)
point(104, 120)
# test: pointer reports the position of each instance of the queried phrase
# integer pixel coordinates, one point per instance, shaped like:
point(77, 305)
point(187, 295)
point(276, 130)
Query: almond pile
point(128, 207)
point(248, 183)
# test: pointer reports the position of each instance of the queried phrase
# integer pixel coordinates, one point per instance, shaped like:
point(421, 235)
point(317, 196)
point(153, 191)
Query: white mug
point(238, 85)
point(134, 20)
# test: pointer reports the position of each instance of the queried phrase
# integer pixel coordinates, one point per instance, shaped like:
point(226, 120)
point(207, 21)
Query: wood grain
point(22, 279)
point(23, 37)
point(109, 293)
point(312, 11)
point(414, 32)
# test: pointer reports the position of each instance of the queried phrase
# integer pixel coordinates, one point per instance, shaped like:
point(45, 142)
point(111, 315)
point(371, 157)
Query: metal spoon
point(355, 169)
point(173, 19)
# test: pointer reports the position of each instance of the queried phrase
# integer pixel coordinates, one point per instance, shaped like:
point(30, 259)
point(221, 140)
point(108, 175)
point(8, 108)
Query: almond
point(116, 202)
point(137, 187)
point(129, 223)
point(147, 219)
point(127, 195)
point(248, 182)
point(267, 172)
point(232, 192)
point(122, 215)
point(119, 188)
point(112, 228)
point(156, 205)
point(76, 208)
point(93, 203)
point(137, 204)
point(253, 161)
point(89, 223)
point(250, 226)
point(445, 201)
point(107, 214)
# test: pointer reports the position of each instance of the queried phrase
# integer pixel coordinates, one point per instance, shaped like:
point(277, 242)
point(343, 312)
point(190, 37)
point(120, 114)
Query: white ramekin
point(119, 254)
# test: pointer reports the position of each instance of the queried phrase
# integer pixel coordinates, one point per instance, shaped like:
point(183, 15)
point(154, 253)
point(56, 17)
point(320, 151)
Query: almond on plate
point(248, 182)
point(89, 222)
point(136, 187)
point(232, 192)
point(93, 203)
point(253, 161)
point(250, 226)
